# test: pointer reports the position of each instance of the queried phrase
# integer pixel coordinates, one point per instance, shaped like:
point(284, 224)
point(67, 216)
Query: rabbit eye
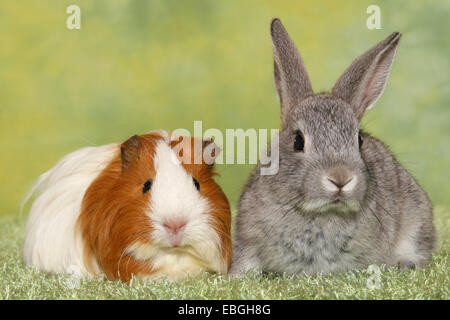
point(299, 141)
point(147, 185)
point(360, 139)
point(196, 184)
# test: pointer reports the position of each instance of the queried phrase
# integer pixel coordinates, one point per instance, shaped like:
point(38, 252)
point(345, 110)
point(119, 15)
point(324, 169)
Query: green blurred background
point(138, 65)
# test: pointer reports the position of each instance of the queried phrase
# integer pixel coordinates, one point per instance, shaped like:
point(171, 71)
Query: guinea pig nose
point(340, 176)
point(174, 226)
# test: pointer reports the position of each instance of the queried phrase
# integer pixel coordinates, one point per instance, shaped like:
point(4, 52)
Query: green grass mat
point(20, 282)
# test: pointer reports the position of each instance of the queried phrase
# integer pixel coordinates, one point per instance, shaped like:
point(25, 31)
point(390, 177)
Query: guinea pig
point(147, 207)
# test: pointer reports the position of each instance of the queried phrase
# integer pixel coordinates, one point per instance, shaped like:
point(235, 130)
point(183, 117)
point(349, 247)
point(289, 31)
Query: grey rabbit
point(340, 200)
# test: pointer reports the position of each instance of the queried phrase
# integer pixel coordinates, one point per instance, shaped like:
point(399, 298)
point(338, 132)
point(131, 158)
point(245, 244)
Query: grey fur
point(287, 223)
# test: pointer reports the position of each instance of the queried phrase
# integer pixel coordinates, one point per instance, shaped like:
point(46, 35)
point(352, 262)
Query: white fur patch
point(350, 185)
point(50, 241)
point(406, 248)
point(331, 187)
point(328, 185)
point(319, 205)
point(178, 263)
point(175, 197)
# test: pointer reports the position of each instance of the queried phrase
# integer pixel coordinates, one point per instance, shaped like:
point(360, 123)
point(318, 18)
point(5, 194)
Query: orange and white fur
point(135, 208)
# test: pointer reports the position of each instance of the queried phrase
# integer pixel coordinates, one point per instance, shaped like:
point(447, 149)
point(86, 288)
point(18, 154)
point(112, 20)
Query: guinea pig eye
point(299, 141)
point(196, 184)
point(147, 185)
point(360, 139)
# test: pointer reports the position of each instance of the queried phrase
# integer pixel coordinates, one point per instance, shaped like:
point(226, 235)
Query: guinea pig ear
point(364, 81)
point(290, 76)
point(130, 152)
point(210, 151)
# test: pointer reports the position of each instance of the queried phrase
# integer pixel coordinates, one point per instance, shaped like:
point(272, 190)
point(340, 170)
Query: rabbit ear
point(290, 76)
point(363, 82)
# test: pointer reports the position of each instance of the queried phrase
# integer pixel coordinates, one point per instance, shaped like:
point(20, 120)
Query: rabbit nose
point(174, 226)
point(339, 183)
point(340, 176)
